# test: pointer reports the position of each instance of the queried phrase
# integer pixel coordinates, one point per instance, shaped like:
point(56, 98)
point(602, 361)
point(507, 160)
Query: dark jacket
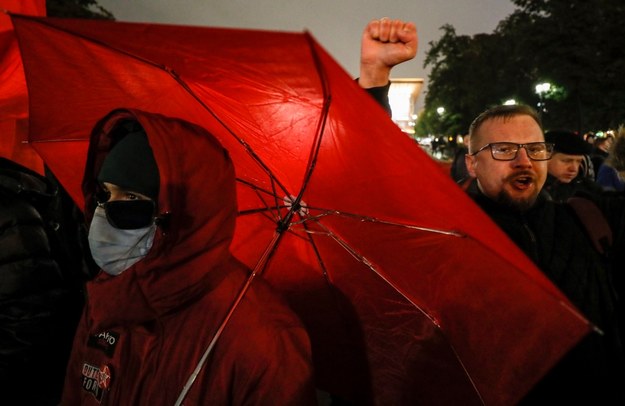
point(597, 157)
point(552, 236)
point(39, 304)
point(581, 185)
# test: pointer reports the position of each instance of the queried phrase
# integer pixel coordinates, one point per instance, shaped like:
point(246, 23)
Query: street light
point(541, 90)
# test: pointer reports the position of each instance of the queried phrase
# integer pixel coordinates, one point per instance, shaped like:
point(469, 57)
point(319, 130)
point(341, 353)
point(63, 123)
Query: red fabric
point(26, 7)
point(409, 292)
point(13, 96)
point(166, 309)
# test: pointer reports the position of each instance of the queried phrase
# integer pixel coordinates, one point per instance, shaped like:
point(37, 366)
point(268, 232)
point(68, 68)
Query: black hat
point(130, 164)
point(568, 142)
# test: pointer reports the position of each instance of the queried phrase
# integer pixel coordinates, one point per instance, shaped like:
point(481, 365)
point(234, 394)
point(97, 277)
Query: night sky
point(336, 24)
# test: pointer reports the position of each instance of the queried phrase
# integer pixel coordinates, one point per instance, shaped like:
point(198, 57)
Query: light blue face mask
point(116, 250)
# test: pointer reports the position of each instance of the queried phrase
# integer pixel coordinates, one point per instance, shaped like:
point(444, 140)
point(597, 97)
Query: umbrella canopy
point(13, 95)
point(410, 293)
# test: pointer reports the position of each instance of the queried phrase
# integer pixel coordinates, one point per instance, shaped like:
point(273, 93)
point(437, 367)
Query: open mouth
point(522, 182)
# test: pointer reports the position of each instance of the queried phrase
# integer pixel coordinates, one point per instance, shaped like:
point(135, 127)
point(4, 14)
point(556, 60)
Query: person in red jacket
point(161, 204)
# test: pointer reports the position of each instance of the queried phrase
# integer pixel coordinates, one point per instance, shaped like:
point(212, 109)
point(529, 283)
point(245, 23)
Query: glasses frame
point(150, 204)
point(549, 145)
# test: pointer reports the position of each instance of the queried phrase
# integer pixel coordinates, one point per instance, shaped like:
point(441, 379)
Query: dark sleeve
point(31, 300)
point(380, 95)
point(616, 218)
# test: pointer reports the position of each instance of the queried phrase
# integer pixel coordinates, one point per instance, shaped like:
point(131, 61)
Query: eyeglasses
point(127, 214)
point(507, 151)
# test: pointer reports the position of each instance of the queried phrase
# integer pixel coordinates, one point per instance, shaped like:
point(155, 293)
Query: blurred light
point(543, 88)
point(509, 102)
point(440, 110)
point(403, 95)
point(426, 141)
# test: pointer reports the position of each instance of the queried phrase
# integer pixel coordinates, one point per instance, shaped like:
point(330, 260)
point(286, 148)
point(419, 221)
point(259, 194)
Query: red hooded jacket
point(144, 331)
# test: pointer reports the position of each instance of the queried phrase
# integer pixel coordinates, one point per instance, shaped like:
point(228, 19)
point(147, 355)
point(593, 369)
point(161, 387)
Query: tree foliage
point(77, 9)
point(577, 46)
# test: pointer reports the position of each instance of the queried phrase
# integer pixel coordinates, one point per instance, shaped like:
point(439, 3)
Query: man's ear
point(470, 161)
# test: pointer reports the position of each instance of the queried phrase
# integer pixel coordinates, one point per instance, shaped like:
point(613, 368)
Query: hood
point(197, 208)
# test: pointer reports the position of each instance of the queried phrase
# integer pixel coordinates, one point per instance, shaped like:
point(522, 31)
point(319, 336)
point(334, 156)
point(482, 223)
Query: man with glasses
point(510, 173)
point(508, 157)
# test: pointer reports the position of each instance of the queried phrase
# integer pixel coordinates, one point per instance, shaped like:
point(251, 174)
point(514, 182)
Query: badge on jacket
point(96, 379)
point(105, 342)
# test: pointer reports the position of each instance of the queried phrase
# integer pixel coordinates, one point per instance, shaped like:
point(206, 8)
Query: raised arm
point(385, 43)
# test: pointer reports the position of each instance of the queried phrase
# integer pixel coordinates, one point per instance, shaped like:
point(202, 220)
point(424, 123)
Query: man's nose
point(522, 158)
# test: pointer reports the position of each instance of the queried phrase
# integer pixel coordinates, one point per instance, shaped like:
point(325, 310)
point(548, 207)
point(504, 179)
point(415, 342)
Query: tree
point(77, 9)
point(577, 46)
point(468, 75)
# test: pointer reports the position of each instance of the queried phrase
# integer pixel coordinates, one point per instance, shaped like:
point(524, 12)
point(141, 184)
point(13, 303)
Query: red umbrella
point(410, 293)
point(13, 95)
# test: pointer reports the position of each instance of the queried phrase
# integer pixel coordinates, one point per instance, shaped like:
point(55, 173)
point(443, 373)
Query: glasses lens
point(130, 214)
point(504, 150)
point(538, 151)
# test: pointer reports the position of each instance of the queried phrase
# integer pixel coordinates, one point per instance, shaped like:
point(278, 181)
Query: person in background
point(586, 168)
point(564, 179)
point(611, 176)
point(600, 152)
point(160, 201)
point(458, 169)
point(41, 286)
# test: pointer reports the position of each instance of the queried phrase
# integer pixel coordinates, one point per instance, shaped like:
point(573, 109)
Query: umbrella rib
point(322, 265)
point(359, 217)
point(268, 209)
point(275, 209)
point(319, 131)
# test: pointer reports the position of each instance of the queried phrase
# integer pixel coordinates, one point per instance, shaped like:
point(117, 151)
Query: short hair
point(503, 112)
